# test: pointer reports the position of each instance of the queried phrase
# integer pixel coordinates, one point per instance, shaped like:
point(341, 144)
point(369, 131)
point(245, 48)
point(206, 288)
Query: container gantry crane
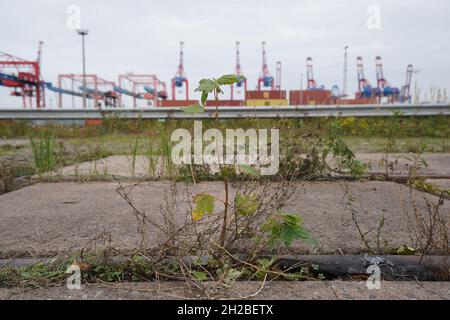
point(97, 89)
point(238, 72)
point(161, 89)
point(381, 81)
point(383, 87)
point(278, 77)
point(406, 89)
point(311, 83)
point(364, 87)
point(180, 76)
point(25, 77)
point(141, 86)
point(265, 78)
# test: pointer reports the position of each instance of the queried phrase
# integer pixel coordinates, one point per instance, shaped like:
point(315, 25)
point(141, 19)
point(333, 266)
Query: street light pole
point(83, 33)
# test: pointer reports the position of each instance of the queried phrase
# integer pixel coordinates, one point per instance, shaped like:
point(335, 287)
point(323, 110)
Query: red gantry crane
point(384, 89)
point(24, 77)
point(180, 76)
point(364, 87)
point(97, 89)
point(381, 81)
point(265, 78)
point(311, 83)
point(161, 92)
point(139, 86)
point(238, 72)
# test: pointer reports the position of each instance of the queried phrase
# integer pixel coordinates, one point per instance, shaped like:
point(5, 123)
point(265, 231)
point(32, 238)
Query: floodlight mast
point(83, 33)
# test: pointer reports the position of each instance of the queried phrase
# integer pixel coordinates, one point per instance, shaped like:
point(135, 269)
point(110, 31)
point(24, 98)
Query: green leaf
point(249, 170)
point(204, 205)
point(200, 275)
point(230, 275)
point(233, 275)
point(196, 108)
point(246, 204)
point(285, 227)
point(265, 263)
point(230, 79)
point(206, 85)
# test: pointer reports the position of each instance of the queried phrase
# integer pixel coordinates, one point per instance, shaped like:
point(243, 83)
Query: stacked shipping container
point(356, 101)
point(225, 103)
point(309, 97)
point(266, 98)
point(177, 103)
point(275, 98)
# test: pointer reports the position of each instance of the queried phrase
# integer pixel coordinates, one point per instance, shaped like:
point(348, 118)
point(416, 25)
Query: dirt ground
point(47, 218)
point(308, 290)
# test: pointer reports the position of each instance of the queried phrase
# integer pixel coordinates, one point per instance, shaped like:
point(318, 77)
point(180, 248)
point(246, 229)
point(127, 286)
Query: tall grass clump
point(43, 147)
point(165, 152)
point(152, 160)
point(134, 152)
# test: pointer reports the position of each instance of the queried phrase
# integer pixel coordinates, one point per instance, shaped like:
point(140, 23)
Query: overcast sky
point(143, 37)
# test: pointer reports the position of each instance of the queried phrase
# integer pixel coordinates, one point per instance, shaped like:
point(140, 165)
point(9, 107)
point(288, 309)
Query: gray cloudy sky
point(143, 36)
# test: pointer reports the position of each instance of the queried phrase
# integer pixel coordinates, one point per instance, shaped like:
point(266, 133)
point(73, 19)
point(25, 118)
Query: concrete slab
point(442, 183)
point(305, 290)
point(142, 166)
point(438, 163)
point(47, 218)
point(14, 142)
point(120, 166)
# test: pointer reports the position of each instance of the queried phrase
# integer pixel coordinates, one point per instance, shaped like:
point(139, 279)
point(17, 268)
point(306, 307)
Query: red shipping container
point(265, 94)
point(225, 103)
point(177, 103)
point(356, 101)
point(93, 122)
point(310, 97)
point(254, 95)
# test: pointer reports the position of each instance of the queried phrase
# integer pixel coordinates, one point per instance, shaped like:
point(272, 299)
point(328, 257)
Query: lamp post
point(83, 33)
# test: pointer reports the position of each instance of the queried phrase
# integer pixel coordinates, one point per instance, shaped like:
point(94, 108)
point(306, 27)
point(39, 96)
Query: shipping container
point(148, 96)
point(265, 94)
point(356, 101)
point(266, 102)
point(225, 103)
point(310, 97)
point(93, 122)
point(177, 103)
